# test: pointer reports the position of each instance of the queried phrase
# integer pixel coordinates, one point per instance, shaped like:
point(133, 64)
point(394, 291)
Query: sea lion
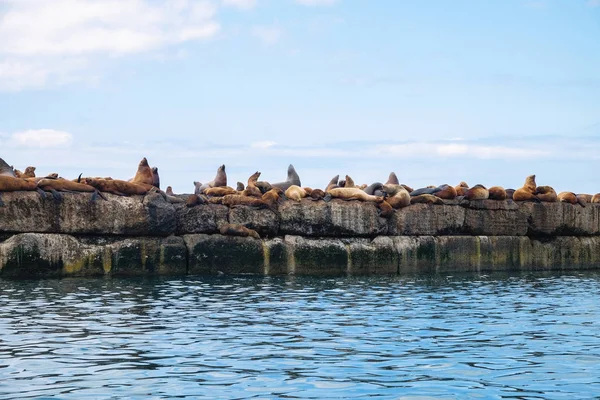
point(497, 193)
point(373, 187)
point(65, 185)
point(18, 173)
point(6, 170)
point(292, 179)
point(426, 199)
point(295, 193)
point(317, 194)
point(13, 184)
point(392, 179)
point(220, 179)
point(272, 198)
point(461, 188)
point(425, 190)
point(509, 193)
point(351, 194)
point(263, 186)
point(144, 173)
point(595, 198)
point(307, 190)
point(195, 199)
point(585, 197)
point(385, 209)
point(219, 191)
point(29, 172)
point(253, 179)
point(349, 183)
point(169, 191)
point(333, 183)
point(240, 186)
point(119, 187)
point(155, 178)
point(527, 191)
point(197, 186)
point(477, 192)
point(252, 192)
point(398, 196)
point(238, 230)
point(546, 194)
point(445, 192)
point(571, 198)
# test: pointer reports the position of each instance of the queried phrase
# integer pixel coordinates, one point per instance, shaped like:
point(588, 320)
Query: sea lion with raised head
point(253, 179)
point(169, 191)
point(197, 186)
point(295, 193)
point(292, 179)
point(238, 230)
point(333, 183)
point(240, 186)
point(155, 178)
point(6, 170)
point(398, 196)
point(546, 194)
point(144, 173)
point(571, 198)
point(527, 191)
point(220, 179)
point(497, 193)
point(349, 182)
point(392, 179)
point(477, 192)
point(29, 172)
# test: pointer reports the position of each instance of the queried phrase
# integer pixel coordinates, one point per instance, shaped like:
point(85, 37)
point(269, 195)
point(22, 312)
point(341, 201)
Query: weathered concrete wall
point(145, 235)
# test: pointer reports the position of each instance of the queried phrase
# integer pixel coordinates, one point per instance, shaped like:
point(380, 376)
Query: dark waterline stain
point(520, 336)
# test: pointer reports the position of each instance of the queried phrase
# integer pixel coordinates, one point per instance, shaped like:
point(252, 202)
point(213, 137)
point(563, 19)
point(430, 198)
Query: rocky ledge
point(148, 235)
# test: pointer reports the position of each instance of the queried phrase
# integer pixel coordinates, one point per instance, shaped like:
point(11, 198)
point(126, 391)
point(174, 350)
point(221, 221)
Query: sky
point(437, 91)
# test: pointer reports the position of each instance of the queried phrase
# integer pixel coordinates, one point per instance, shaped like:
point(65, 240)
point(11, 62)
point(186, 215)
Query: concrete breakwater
point(147, 235)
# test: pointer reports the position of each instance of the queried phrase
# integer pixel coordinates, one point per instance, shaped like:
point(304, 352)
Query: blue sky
point(438, 91)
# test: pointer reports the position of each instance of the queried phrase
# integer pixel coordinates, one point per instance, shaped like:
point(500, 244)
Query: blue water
point(444, 337)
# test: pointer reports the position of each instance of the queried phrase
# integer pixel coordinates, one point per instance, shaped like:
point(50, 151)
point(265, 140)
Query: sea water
point(523, 336)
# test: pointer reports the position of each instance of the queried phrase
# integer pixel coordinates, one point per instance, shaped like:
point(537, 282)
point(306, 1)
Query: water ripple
point(519, 336)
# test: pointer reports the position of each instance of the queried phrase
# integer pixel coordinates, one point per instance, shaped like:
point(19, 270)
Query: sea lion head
point(144, 162)
point(530, 182)
point(349, 183)
point(393, 179)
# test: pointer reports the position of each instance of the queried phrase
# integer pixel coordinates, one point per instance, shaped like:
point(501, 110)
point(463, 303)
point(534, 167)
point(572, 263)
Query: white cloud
point(267, 34)
point(423, 149)
point(41, 138)
point(263, 145)
point(241, 4)
point(316, 2)
point(42, 41)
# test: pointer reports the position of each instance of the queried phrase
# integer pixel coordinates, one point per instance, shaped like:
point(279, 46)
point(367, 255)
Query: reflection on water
point(527, 336)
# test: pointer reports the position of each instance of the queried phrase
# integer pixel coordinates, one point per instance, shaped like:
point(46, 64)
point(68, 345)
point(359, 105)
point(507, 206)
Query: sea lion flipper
point(94, 196)
point(41, 192)
point(327, 198)
point(57, 196)
point(79, 178)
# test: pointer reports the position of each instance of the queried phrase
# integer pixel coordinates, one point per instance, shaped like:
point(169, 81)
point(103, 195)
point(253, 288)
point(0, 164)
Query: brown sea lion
point(446, 192)
point(272, 198)
point(546, 194)
point(155, 178)
point(292, 179)
point(595, 198)
point(461, 188)
point(392, 179)
point(238, 230)
point(308, 190)
point(497, 193)
point(240, 187)
point(333, 183)
point(19, 173)
point(571, 198)
point(477, 192)
point(220, 180)
point(317, 194)
point(144, 173)
point(385, 209)
point(398, 196)
point(253, 179)
point(295, 193)
point(349, 182)
point(118, 187)
point(527, 191)
point(232, 200)
point(169, 191)
point(219, 191)
point(13, 184)
point(29, 172)
point(252, 192)
point(351, 194)
point(65, 185)
point(195, 199)
point(585, 197)
point(6, 170)
point(426, 199)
